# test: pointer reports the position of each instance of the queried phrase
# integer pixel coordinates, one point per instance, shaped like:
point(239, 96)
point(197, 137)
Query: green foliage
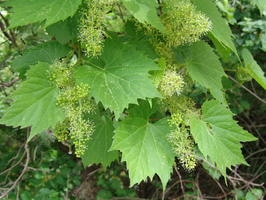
point(110, 182)
point(52, 173)
point(64, 31)
point(34, 103)
point(25, 12)
point(218, 136)
point(98, 147)
point(261, 4)
point(220, 29)
point(111, 84)
point(253, 69)
point(47, 52)
point(144, 145)
point(252, 194)
point(204, 66)
point(144, 12)
point(119, 77)
point(6, 75)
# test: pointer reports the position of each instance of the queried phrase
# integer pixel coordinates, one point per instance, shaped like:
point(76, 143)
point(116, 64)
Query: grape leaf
point(253, 68)
point(218, 136)
point(34, 102)
point(141, 42)
point(119, 77)
point(25, 12)
point(204, 67)
point(145, 12)
point(220, 29)
point(64, 31)
point(46, 52)
point(98, 147)
point(144, 145)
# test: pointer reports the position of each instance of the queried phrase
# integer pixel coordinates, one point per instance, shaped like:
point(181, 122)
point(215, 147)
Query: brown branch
point(25, 169)
point(5, 20)
point(3, 29)
point(180, 179)
point(9, 34)
point(10, 83)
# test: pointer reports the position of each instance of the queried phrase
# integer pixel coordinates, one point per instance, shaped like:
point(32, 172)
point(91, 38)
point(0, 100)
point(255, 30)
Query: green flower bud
point(171, 83)
point(181, 143)
point(61, 75)
point(184, 24)
point(76, 102)
point(91, 27)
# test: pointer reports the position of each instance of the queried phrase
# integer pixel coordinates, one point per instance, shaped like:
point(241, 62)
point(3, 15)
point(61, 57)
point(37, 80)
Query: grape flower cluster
point(75, 101)
point(183, 23)
point(91, 28)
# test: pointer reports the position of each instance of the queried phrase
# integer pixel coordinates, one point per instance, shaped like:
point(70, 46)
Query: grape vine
point(87, 72)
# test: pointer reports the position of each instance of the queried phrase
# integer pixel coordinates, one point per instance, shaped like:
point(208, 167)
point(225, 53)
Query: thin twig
point(248, 90)
point(15, 183)
point(10, 83)
point(252, 154)
point(121, 13)
point(13, 166)
point(180, 179)
point(9, 34)
point(5, 20)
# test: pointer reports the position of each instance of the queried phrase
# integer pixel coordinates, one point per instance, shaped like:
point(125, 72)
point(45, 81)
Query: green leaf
point(64, 31)
point(98, 147)
point(46, 52)
point(253, 68)
point(145, 12)
point(119, 77)
point(25, 12)
point(204, 67)
point(218, 136)
point(220, 29)
point(138, 39)
point(34, 102)
point(144, 145)
point(261, 4)
point(255, 194)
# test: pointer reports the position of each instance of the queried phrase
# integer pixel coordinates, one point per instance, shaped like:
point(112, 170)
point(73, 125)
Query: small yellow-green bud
point(61, 75)
point(171, 83)
point(183, 23)
point(76, 102)
point(61, 131)
point(183, 147)
point(91, 27)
